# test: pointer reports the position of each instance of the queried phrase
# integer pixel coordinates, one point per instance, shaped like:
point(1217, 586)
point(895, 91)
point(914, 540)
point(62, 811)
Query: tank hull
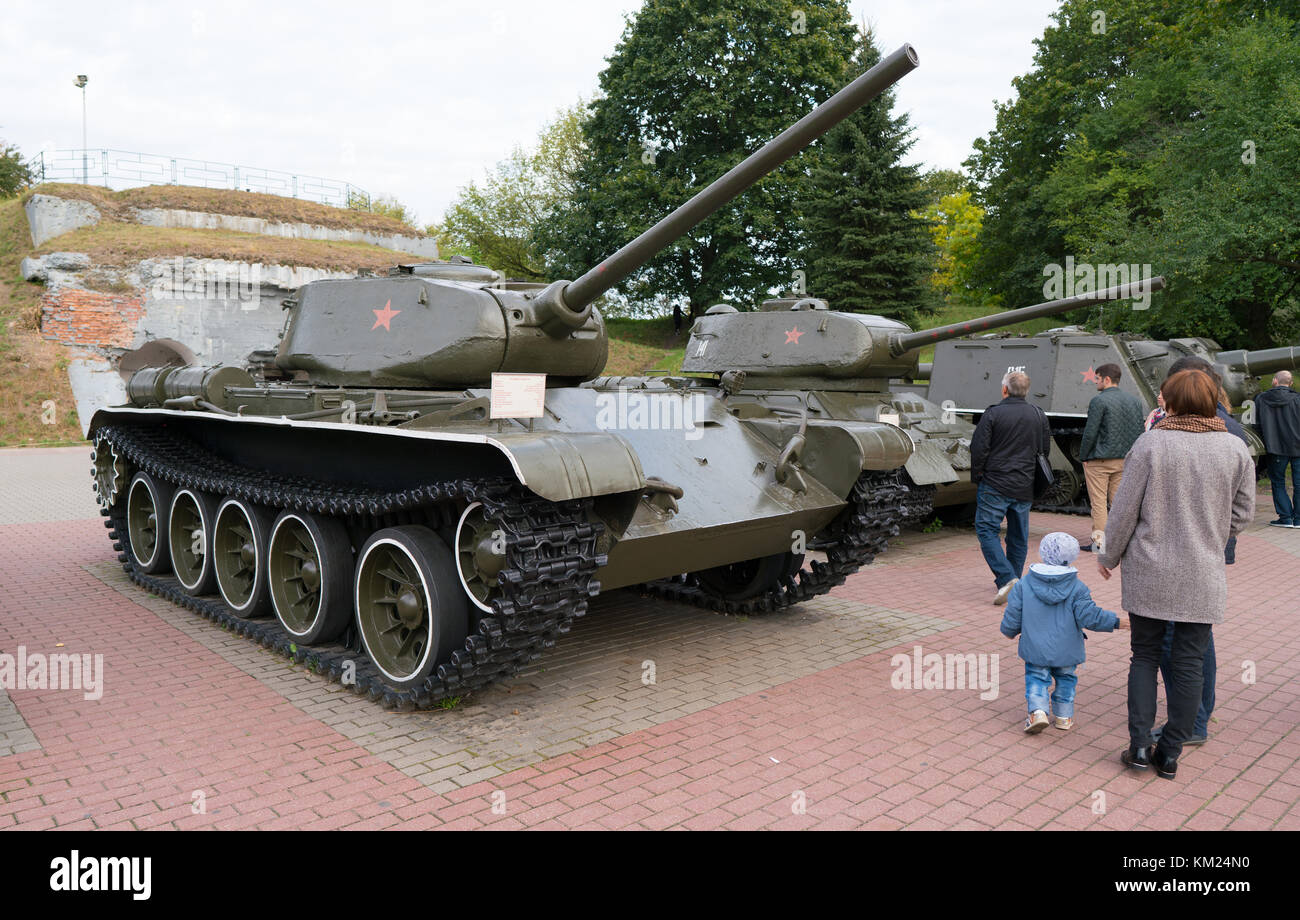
point(675, 485)
point(966, 375)
point(599, 442)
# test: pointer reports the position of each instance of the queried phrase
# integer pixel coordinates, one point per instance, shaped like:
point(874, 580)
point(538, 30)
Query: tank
point(418, 490)
point(1061, 363)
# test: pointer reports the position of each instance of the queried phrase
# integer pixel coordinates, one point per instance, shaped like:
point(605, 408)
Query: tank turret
point(425, 329)
point(843, 350)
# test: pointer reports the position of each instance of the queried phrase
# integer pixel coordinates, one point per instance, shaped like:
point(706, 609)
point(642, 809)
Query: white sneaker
point(1001, 597)
point(1036, 722)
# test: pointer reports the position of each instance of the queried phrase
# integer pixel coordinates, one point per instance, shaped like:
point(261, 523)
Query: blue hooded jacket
point(1049, 609)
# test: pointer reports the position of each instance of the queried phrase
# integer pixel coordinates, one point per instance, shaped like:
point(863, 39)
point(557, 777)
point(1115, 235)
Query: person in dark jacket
point(1115, 421)
point(1049, 609)
point(1003, 453)
point(1278, 411)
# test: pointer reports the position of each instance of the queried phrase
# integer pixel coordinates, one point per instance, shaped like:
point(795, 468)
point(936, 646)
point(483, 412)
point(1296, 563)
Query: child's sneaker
point(1064, 723)
point(1036, 722)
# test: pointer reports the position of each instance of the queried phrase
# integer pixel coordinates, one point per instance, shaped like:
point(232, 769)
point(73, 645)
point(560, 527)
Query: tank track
point(548, 579)
point(879, 505)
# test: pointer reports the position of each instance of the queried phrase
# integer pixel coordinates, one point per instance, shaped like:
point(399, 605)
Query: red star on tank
point(384, 317)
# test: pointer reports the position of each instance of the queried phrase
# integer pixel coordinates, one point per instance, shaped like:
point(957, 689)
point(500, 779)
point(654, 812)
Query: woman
point(1188, 486)
point(1157, 413)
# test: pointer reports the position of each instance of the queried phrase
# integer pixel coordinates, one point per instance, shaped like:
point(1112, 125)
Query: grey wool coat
point(1181, 496)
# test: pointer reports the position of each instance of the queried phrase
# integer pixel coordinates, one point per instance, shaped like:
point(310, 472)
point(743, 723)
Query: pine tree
point(868, 248)
point(693, 87)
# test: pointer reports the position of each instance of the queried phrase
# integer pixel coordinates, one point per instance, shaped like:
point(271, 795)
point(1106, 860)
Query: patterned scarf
point(1198, 423)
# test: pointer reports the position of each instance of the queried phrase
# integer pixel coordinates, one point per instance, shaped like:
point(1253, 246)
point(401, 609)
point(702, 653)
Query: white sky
point(412, 99)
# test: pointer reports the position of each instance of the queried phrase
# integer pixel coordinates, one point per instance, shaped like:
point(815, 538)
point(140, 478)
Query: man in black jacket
point(1003, 454)
point(1278, 411)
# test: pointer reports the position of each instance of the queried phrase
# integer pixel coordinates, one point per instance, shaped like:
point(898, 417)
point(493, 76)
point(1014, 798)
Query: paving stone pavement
point(15, 735)
point(45, 484)
point(629, 664)
point(785, 721)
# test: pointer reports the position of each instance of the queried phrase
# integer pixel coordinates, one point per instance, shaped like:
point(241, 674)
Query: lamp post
point(81, 82)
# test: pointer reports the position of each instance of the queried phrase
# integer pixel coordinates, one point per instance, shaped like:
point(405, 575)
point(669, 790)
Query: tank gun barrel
point(573, 298)
point(902, 342)
point(1263, 361)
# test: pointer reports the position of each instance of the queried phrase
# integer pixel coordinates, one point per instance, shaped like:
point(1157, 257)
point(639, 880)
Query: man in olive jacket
point(1115, 420)
point(1278, 411)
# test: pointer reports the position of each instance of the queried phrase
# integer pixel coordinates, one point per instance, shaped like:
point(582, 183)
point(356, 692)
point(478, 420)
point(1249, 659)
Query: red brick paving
point(854, 751)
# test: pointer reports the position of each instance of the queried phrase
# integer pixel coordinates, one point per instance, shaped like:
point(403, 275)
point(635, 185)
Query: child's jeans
point(1038, 684)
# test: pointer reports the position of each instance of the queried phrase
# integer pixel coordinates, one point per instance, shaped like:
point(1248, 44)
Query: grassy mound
point(116, 205)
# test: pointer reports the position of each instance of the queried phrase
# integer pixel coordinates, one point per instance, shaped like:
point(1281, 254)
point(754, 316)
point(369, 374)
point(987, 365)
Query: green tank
point(1061, 363)
point(425, 483)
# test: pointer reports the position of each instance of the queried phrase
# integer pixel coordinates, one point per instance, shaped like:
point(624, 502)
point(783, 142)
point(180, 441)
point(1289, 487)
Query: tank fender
point(836, 451)
point(556, 465)
point(929, 465)
point(559, 465)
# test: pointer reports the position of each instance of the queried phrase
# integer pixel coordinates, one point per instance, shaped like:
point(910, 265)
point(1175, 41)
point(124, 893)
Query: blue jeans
point(1287, 512)
point(1038, 683)
point(1201, 727)
point(991, 507)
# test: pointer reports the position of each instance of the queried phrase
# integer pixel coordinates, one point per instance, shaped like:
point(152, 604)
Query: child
point(1049, 609)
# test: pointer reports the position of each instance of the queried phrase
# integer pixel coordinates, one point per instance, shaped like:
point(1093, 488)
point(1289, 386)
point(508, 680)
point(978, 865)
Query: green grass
point(637, 346)
point(32, 370)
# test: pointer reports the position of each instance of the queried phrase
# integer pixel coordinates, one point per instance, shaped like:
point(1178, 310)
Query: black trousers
point(1183, 695)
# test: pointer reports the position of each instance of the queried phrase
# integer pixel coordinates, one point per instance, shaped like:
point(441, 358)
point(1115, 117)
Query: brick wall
point(91, 318)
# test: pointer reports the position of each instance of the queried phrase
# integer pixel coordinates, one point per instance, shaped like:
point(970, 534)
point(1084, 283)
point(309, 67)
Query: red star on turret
point(384, 317)
point(1090, 376)
point(792, 336)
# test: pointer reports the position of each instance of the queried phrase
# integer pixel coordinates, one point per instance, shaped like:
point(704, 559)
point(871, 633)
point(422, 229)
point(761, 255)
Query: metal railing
point(129, 168)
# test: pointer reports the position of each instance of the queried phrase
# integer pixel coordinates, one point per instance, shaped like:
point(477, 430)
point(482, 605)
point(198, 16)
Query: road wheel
point(480, 556)
point(147, 503)
point(239, 540)
point(741, 581)
point(310, 576)
point(189, 532)
point(411, 611)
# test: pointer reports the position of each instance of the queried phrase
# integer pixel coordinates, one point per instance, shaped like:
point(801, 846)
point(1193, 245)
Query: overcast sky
point(412, 99)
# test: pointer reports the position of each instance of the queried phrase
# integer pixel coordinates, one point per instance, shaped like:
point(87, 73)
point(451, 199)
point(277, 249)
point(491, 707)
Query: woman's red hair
point(1191, 393)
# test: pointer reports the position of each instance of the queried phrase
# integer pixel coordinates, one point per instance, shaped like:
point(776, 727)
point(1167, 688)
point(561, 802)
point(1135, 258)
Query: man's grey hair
point(1016, 384)
point(1282, 378)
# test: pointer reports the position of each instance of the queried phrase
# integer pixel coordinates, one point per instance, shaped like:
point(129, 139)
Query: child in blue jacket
point(1049, 609)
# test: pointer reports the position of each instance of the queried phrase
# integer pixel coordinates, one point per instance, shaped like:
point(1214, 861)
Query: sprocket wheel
point(108, 469)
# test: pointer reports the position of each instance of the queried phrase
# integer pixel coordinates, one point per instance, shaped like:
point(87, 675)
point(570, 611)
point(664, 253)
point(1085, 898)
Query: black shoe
point(1085, 547)
point(1137, 758)
point(1166, 767)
